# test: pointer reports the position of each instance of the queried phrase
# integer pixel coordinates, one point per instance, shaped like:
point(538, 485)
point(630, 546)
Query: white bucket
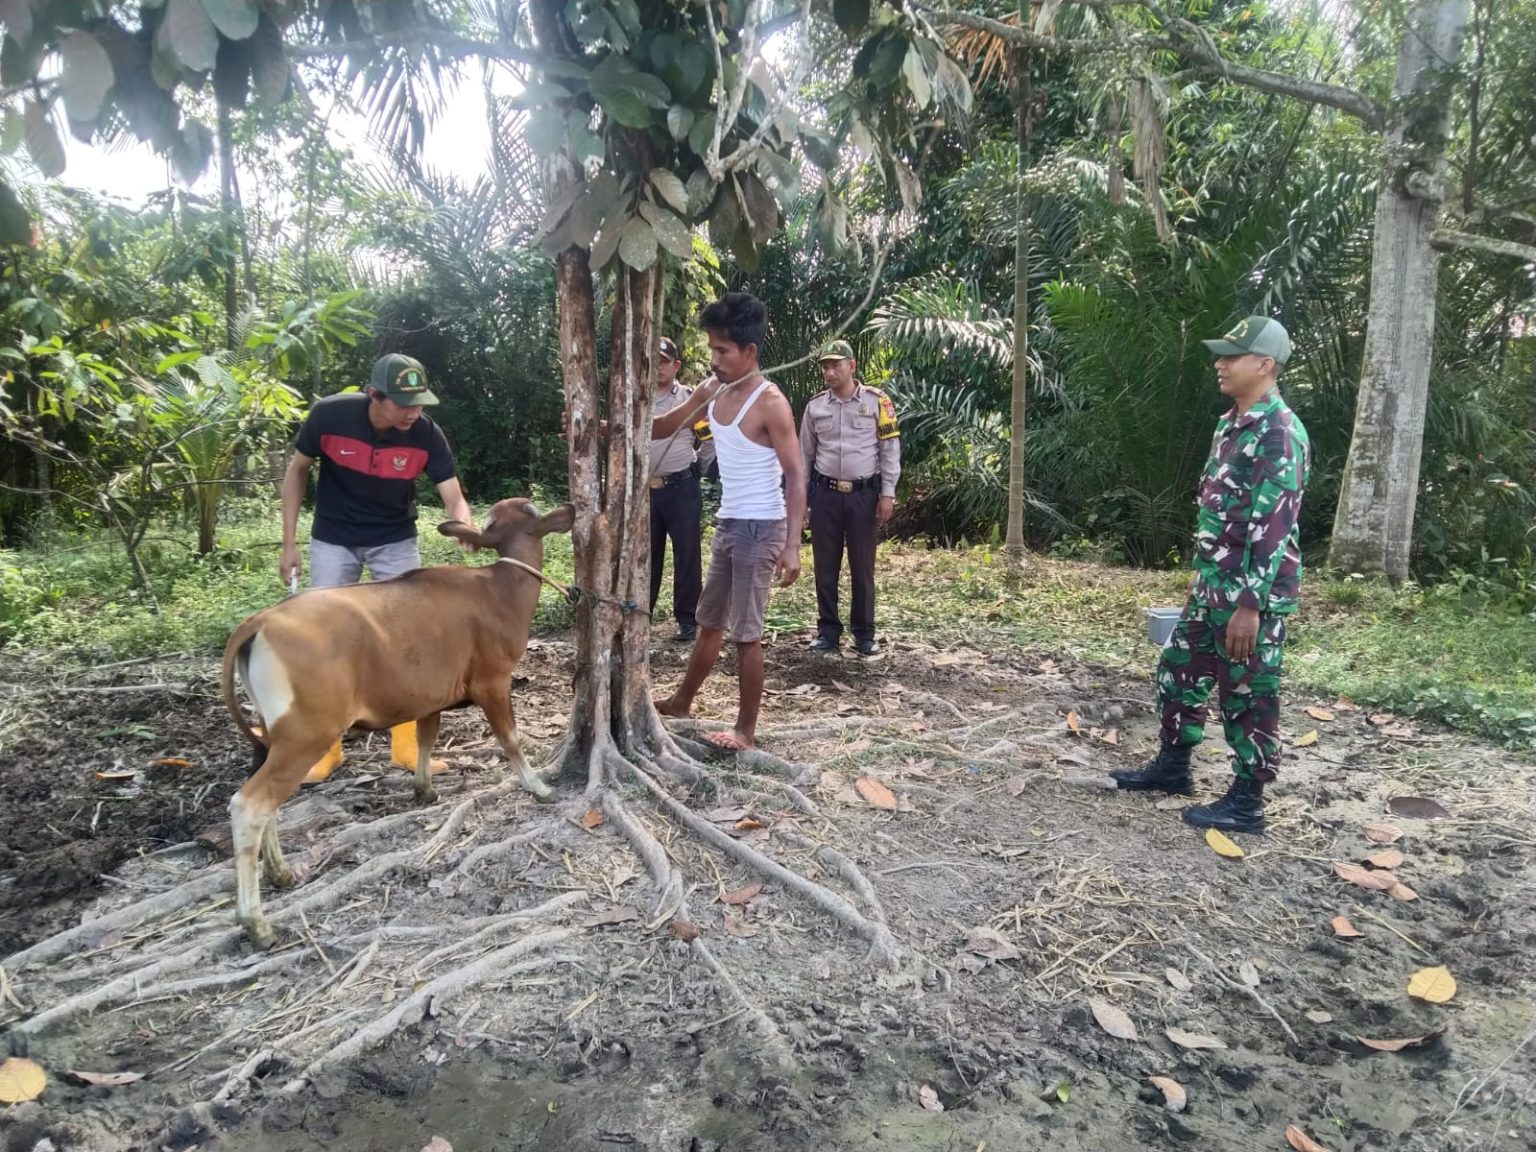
point(1160, 622)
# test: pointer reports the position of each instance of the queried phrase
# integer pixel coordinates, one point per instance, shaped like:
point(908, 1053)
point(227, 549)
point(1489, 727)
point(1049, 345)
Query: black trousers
point(839, 521)
point(675, 513)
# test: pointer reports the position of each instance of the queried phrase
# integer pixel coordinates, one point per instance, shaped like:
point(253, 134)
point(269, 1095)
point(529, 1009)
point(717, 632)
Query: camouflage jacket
point(1246, 550)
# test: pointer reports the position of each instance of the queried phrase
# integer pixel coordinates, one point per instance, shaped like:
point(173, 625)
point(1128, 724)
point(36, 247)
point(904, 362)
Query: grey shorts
point(331, 565)
point(741, 564)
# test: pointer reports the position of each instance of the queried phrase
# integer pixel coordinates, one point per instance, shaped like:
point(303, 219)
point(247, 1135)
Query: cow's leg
point(426, 737)
point(496, 703)
point(253, 821)
point(273, 867)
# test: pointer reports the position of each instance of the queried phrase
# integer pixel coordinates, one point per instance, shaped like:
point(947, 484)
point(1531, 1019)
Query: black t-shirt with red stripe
point(366, 495)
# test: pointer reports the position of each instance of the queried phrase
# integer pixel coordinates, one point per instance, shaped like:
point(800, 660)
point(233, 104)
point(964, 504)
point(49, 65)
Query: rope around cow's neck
point(571, 593)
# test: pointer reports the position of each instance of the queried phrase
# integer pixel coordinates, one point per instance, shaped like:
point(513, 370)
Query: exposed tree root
point(883, 948)
point(497, 964)
point(175, 900)
point(846, 869)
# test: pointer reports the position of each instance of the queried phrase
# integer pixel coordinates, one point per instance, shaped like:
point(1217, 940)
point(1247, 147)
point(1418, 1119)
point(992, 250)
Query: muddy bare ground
point(506, 976)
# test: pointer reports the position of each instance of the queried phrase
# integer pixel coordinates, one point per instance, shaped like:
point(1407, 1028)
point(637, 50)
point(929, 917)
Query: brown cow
point(370, 656)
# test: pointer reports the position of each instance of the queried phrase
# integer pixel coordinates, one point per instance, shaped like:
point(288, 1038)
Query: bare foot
point(731, 741)
point(670, 707)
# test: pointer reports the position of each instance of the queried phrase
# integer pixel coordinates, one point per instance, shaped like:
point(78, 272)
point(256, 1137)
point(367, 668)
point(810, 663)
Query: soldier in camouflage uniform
point(1247, 578)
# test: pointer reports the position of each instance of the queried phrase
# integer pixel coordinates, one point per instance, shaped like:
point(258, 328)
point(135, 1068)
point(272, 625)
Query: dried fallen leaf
point(1111, 737)
point(1222, 844)
point(105, 1079)
point(1300, 1141)
point(1364, 877)
point(929, 1099)
point(1180, 982)
point(992, 944)
point(749, 824)
point(116, 775)
point(1113, 1020)
point(1318, 1016)
point(1173, 803)
point(1382, 833)
point(592, 819)
point(1015, 785)
point(1306, 740)
point(1319, 713)
point(170, 762)
point(1073, 725)
point(20, 1080)
point(684, 930)
point(437, 1144)
point(731, 815)
point(1416, 807)
point(736, 926)
point(1397, 1045)
point(741, 895)
point(1401, 891)
point(1389, 858)
point(1380, 718)
point(1192, 1039)
point(1397, 730)
point(1435, 985)
point(1174, 1096)
point(875, 794)
point(1342, 927)
point(1248, 974)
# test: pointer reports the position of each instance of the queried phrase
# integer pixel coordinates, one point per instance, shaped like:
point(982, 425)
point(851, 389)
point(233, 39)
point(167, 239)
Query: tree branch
point(1187, 40)
point(1448, 240)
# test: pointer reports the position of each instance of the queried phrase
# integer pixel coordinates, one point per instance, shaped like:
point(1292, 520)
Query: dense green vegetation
point(157, 357)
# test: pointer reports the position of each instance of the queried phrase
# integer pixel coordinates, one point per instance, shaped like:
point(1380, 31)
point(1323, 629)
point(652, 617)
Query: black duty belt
point(844, 485)
point(673, 477)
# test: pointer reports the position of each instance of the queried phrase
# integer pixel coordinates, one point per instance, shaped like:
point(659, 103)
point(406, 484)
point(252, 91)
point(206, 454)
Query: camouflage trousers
point(1195, 661)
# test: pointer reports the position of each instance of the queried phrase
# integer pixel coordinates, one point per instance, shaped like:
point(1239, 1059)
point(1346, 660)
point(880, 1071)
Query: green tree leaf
point(670, 231)
point(915, 74)
point(87, 75)
point(702, 134)
point(236, 19)
point(670, 187)
point(637, 247)
point(43, 143)
point(269, 62)
point(608, 236)
point(585, 143)
point(15, 220)
point(679, 122)
point(191, 37)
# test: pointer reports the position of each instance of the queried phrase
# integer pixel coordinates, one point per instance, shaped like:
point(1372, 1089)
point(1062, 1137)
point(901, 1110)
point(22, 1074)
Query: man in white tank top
point(762, 505)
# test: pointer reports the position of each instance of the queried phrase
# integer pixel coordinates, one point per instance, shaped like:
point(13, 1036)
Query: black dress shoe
point(1240, 810)
point(685, 635)
point(823, 644)
point(866, 648)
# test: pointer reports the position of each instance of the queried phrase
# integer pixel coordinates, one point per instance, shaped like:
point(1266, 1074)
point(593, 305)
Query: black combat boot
point(1167, 772)
point(1240, 810)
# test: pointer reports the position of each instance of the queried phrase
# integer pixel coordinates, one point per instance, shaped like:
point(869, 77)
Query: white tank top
point(751, 476)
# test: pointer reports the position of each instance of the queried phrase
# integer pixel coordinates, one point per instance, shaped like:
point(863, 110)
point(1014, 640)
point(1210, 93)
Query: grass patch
point(1426, 653)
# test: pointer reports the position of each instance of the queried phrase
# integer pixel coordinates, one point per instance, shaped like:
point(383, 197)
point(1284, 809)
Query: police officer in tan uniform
point(852, 448)
point(676, 504)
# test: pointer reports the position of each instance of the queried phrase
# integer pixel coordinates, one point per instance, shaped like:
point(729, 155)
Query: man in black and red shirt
point(372, 447)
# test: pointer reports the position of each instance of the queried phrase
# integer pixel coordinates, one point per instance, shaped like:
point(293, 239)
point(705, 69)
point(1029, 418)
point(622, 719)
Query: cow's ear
point(465, 532)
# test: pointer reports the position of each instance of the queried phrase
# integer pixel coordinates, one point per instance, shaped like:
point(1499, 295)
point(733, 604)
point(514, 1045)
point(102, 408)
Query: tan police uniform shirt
point(673, 454)
point(854, 438)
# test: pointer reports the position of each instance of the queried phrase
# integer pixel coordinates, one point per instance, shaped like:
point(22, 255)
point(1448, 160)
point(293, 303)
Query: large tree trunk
point(1014, 539)
point(612, 701)
point(1373, 526)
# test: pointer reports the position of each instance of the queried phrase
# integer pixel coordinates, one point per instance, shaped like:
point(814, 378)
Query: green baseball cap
point(1257, 334)
point(836, 350)
point(402, 379)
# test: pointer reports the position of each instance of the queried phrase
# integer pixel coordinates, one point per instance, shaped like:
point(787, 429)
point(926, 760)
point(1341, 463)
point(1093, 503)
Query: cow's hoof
point(278, 877)
point(427, 795)
point(260, 933)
